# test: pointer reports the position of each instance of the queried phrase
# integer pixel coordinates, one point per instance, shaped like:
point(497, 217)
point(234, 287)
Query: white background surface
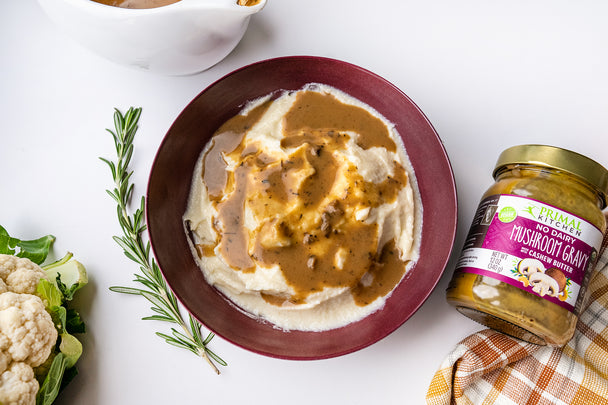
point(488, 74)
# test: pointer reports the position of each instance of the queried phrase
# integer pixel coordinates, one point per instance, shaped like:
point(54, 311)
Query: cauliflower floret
point(27, 327)
point(5, 360)
point(27, 332)
point(18, 385)
point(19, 275)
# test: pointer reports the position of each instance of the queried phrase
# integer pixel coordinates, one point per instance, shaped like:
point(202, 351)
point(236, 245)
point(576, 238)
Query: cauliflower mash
point(304, 209)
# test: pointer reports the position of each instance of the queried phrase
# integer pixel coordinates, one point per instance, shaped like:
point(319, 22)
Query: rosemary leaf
point(157, 318)
point(215, 357)
point(208, 338)
point(126, 290)
point(153, 285)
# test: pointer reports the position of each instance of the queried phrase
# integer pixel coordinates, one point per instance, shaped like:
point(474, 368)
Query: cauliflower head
point(19, 275)
point(27, 331)
point(18, 385)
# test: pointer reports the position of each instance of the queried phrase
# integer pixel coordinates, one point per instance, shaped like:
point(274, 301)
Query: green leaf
point(155, 299)
point(210, 336)
point(6, 243)
point(59, 315)
point(158, 318)
point(36, 250)
point(68, 275)
point(73, 322)
point(216, 358)
point(176, 342)
point(49, 292)
point(126, 290)
point(58, 263)
point(67, 292)
point(52, 383)
point(71, 348)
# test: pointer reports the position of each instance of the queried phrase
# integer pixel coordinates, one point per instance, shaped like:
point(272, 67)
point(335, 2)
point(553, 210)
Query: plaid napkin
point(489, 367)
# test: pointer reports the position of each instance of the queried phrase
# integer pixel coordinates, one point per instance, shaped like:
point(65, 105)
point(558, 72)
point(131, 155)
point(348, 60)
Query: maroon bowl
point(169, 187)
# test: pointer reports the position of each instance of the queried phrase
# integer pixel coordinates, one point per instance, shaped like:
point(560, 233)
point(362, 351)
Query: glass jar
point(532, 245)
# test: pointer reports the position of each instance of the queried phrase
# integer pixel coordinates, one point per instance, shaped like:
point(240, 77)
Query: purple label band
point(525, 238)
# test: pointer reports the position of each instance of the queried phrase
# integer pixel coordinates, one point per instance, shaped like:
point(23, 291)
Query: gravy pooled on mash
point(304, 210)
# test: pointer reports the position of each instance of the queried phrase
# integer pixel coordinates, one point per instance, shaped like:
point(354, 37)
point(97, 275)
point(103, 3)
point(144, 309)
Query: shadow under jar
point(533, 244)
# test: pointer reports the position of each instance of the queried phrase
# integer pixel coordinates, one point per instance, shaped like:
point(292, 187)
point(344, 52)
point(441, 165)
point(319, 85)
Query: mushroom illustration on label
point(527, 267)
point(550, 282)
point(543, 284)
point(562, 281)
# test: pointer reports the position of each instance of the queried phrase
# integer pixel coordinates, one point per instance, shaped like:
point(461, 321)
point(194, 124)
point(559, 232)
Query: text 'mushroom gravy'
point(296, 208)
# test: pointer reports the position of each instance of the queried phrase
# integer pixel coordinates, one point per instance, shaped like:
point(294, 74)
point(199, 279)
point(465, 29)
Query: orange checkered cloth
point(489, 367)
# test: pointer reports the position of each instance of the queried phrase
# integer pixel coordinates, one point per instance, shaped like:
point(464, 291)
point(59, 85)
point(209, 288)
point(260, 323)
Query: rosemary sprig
point(154, 288)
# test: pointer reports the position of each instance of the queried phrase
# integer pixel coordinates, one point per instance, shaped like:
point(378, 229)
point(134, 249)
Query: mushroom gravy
point(302, 205)
point(533, 244)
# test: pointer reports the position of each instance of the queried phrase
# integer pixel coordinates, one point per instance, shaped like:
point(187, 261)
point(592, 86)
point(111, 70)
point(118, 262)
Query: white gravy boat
point(178, 39)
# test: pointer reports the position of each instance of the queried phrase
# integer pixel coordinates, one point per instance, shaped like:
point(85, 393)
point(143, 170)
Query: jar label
point(534, 246)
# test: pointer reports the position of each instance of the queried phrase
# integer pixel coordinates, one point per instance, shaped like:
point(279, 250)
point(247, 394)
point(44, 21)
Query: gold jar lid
point(559, 159)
